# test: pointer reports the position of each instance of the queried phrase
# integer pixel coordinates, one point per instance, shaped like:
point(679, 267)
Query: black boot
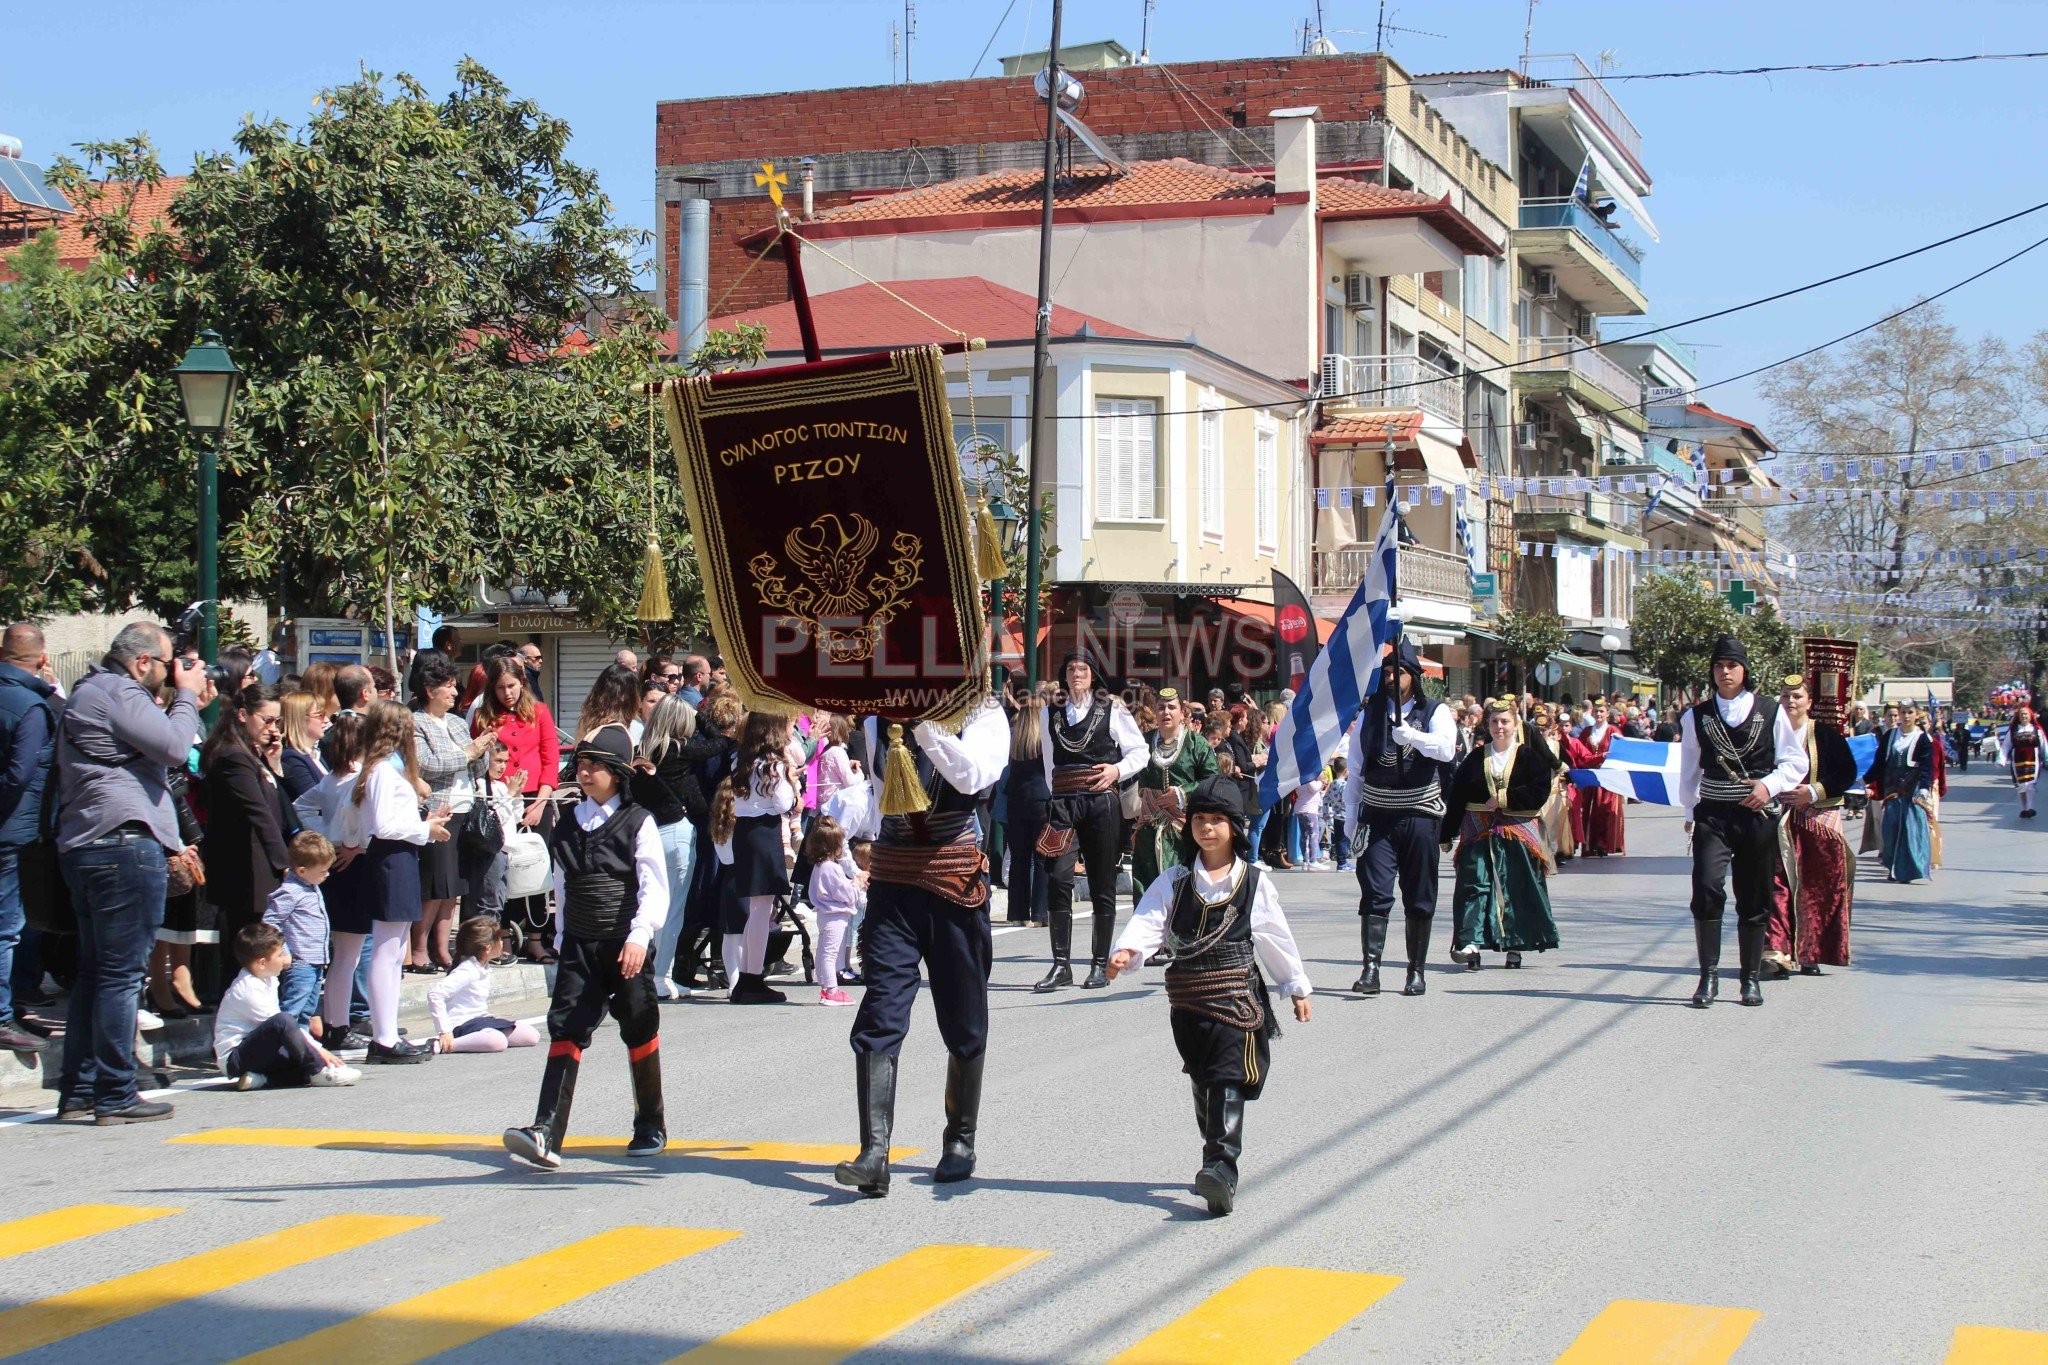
point(650, 1123)
point(963, 1108)
point(1098, 950)
point(1749, 943)
point(875, 1090)
point(1706, 934)
point(541, 1144)
point(1223, 1110)
point(1373, 935)
point(1418, 952)
point(1061, 932)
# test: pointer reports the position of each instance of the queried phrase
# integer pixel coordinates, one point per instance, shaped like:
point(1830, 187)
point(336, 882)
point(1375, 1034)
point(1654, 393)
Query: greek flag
point(1343, 675)
point(1641, 768)
point(1465, 543)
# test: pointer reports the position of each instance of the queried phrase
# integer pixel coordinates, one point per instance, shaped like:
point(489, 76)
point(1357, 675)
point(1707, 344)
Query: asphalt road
point(1488, 1169)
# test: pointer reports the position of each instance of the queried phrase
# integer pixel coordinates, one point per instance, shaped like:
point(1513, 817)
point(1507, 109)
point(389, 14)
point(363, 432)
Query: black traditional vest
point(951, 817)
point(1211, 967)
point(1394, 776)
point(1088, 744)
point(1734, 759)
point(600, 882)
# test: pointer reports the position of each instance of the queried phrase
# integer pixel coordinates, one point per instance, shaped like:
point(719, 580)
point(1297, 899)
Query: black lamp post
point(207, 382)
point(1009, 526)
point(1608, 644)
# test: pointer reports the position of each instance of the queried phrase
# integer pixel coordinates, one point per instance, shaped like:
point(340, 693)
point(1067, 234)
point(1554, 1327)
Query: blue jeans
point(117, 885)
point(679, 842)
point(12, 921)
point(298, 991)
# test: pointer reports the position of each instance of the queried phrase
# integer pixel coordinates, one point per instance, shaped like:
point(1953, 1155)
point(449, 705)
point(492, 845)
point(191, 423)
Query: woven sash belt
point(949, 871)
point(1224, 995)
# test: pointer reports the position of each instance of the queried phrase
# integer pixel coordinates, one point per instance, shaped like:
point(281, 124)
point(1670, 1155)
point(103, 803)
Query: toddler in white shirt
point(460, 1002)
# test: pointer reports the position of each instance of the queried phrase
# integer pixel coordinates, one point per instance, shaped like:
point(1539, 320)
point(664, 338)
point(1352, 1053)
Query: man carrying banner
point(1395, 806)
point(1738, 754)
point(1092, 744)
point(1815, 876)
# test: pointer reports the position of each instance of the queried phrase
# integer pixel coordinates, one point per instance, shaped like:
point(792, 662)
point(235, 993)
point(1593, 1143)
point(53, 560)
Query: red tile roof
point(1702, 410)
point(148, 205)
point(865, 317)
point(1339, 199)
point(1370, 429)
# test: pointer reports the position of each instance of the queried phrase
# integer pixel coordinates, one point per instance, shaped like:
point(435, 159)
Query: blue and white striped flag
point(1641, 768)
point(1343, 675)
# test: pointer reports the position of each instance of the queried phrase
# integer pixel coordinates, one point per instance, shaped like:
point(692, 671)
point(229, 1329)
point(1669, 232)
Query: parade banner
point(832, 535)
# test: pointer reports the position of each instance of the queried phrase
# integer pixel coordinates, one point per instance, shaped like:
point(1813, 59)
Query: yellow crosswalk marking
point(457, 1314)
point(69, 1224)
point(1276, 1314)
point(371, 1140)
point(82, 1310)
point(1638, 1332)
point(872, 1306)
point(1997, 1346)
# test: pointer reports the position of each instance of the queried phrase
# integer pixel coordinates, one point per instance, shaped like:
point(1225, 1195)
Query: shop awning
point(1262, 612)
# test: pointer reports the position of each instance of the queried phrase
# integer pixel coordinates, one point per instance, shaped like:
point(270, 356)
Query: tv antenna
point(1145, 33)
point(909, 32)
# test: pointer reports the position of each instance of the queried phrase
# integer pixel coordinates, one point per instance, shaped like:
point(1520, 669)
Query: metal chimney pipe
point(693, 264)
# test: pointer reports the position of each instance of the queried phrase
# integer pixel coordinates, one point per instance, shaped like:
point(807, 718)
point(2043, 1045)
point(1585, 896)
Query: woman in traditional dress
point(1905, 773)
point(1605, 810)
point(1815, 879)
point(1494, 810)
point(1556, 821)
point(1180, 759)
point(2019, 749)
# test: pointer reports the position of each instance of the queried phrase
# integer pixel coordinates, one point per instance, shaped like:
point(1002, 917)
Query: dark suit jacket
point(1529, 781)
point(300, 776)
point(244, 847)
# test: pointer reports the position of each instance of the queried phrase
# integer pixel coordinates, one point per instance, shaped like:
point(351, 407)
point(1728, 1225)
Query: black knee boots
point(1749, 945)
point(541, 1143)
point(1098, 950)
point(963, 1110)
point(875, 1091)
point(1373, 940)
point(1706, 935)
point(650, 1123)
point(1061, 932)
point(1418, 953)
point(1220, 1110)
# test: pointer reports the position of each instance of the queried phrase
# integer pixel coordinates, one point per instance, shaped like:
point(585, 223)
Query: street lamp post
point(207, 381)
point(1008, 525)
point(1608, 644)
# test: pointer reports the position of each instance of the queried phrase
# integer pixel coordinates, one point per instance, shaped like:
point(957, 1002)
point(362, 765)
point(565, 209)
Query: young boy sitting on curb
point(258, 1044)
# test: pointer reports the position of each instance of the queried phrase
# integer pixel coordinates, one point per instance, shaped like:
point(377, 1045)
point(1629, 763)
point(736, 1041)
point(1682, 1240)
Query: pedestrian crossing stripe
point(870, 1307)
point(469, 1310)
point(23, 1235)
point(83, 1310)
point(1274, 1314)
point(371, 1140)
point(1638, 1332)
point(1997, 1346)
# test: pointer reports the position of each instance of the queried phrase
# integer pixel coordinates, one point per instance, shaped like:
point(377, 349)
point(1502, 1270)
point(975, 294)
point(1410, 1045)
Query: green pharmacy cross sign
point(1739, 596)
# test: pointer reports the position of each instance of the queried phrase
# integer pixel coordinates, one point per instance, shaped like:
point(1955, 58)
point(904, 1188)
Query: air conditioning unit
point(1358, 291)
point(1332, 377)
point(1541, 424)
point(1545, 282)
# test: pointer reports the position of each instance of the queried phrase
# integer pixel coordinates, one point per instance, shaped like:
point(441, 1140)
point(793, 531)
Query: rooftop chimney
point(1294, 150)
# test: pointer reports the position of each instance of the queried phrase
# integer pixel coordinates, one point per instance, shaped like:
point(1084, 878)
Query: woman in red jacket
point(527, 729)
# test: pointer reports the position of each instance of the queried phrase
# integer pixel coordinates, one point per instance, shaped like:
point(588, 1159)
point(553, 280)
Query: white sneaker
point(336, 1074)
point(148, 1021)
point(251, 1080)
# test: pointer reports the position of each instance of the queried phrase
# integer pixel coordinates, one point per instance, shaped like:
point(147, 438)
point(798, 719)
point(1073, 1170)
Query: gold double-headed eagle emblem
point(839, 610)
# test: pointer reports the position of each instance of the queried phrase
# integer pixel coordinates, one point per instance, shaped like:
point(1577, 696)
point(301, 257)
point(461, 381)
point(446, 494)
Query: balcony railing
point(1570, 213)
point(1422, 571)
point(1616, 511)
point(1391, 381)
point(1739, 515)
point(1568, 70)
point(1565, 353)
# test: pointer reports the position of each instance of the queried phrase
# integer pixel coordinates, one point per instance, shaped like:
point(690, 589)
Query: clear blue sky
point(1760, 182)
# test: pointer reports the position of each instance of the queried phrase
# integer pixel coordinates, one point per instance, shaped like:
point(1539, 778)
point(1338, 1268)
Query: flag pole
point(1041, 353)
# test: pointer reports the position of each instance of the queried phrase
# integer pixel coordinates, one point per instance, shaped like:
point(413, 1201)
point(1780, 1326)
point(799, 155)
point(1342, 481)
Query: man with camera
point(116, 829)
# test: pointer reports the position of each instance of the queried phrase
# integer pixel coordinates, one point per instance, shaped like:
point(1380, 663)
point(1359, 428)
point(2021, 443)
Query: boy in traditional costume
point(1495, 813)
point(1217, 921)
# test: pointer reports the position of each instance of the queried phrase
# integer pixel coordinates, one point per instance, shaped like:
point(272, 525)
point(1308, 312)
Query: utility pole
point(1041, 354)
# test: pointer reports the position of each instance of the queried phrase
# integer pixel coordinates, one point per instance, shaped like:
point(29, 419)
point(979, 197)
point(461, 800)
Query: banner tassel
point(902, 793)
point(988, 546)
point(654, 604)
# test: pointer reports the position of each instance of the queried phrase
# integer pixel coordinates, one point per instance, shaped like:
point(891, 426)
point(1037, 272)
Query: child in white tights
point(460, 1001)
point(836, 889)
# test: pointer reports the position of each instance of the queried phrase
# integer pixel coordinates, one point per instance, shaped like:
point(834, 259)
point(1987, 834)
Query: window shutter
point(1212, 473)
point(1106, 433)
point(1144, 457)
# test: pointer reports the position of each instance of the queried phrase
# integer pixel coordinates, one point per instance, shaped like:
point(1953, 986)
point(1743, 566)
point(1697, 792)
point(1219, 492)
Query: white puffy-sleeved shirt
point(1789, 748)
point(778, 800)
point(650, 865)
point(1272, 940)
point(1134, 752)
point(462, 995)
point(1439, 740)
point(973, 760)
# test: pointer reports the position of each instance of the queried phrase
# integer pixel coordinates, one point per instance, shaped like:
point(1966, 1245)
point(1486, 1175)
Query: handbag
point(483, 834)
point(528, 866)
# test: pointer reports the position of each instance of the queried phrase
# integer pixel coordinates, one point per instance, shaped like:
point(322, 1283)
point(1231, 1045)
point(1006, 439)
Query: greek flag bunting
point(1343, 675)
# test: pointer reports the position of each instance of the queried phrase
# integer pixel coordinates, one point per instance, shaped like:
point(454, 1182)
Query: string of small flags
point(1344, 498)
point(1941, 597)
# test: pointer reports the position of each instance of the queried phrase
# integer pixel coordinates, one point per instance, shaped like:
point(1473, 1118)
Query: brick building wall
point(874, 139)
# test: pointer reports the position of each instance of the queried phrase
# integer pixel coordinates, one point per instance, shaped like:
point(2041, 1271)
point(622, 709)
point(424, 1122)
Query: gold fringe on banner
point(902, 793)
point(988, 545)
point(654, 604)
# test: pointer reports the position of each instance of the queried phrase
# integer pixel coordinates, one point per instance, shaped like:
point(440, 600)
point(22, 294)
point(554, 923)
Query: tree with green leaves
point(442, 345)
point(1678, 616)
point(1527, 638)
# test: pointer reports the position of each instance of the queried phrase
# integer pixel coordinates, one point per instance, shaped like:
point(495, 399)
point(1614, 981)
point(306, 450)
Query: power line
point(972, 70)
point(1794, 66)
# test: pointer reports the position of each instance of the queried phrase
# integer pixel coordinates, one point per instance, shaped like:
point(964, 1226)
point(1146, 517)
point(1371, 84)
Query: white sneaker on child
point(337, 1074)
point(251, 1080)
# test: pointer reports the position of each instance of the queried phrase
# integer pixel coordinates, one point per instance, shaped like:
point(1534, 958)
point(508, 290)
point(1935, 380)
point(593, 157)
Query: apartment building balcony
point(1434, 585)
point(1566, 79)
point(1613, 518)
point(1568, 365)
point(1738, 519)
point(1391, 381)
point(1592, 262)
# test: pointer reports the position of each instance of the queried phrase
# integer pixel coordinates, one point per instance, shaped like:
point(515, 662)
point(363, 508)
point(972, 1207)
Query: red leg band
point(562, 1047)
point(646, 1049)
